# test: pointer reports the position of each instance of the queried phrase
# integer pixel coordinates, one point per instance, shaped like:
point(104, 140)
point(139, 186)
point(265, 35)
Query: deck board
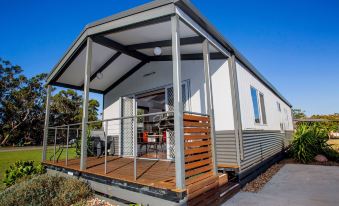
point(155, 173)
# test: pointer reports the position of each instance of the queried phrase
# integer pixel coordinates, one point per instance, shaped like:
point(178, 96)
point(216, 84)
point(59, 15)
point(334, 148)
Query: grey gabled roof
point(196, 15)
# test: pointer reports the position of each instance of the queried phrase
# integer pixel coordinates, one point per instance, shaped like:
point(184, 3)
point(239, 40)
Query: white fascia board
point(67, 55)
point(136, 18)
point(116, 24)
point(201, 31)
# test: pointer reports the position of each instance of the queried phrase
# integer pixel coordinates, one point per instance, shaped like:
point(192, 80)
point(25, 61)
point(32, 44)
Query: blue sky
point(294, 44)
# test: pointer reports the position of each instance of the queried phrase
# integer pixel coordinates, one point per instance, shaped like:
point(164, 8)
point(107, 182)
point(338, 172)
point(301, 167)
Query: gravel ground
point(257, 184)
point(98, 202)
point(93, 202)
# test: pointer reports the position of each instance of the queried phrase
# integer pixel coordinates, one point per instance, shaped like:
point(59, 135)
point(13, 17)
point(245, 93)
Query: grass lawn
point(9, 157)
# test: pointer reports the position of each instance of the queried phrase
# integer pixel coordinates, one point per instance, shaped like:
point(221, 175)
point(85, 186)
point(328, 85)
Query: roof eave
point(204, 23)
point(123, 14)
point(208, 26)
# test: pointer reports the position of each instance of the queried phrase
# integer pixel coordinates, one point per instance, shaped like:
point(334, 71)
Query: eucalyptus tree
point(22, 106)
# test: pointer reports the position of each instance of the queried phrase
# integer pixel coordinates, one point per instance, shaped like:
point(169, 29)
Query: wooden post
point(45, 138)
point(83, 157)
point(209, 98)
point(178, 106)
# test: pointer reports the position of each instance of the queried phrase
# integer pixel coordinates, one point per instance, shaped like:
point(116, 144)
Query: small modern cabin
point(186, 118)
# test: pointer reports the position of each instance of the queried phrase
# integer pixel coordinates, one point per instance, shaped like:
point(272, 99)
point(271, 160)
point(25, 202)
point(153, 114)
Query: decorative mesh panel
point(127, 127)
point(171, 145)
point(170, 107)
point(170, 99)
point(184, 96)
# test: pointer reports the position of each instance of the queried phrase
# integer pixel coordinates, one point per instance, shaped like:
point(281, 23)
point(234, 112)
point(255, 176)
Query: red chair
point(164, 138)
point(144, 140)
point(145, 137)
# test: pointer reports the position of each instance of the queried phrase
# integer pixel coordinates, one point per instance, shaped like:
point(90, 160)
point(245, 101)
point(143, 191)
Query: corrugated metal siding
point(259, 145)
point(225, 147)
point(288, 138)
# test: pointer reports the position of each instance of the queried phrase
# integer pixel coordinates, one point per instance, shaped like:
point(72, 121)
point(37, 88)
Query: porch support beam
point(128, 20)
point(105, 65)
point(45, 138)
point(80, 88)
point(125, 76)
point(236, 107)
point(119, 47)
point(209, 100)
point(199, 30)
point(178, 106)
point(196, 56)
point(166, 43)
point(83, 157)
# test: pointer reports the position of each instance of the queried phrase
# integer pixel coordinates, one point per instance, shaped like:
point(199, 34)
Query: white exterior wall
point(191, 70)
point(273, 115)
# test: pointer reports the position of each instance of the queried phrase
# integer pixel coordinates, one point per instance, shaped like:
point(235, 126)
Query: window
point(281, 127)
point(262, 106)
point(255, 105)
point(258, 106)
point(279, 107)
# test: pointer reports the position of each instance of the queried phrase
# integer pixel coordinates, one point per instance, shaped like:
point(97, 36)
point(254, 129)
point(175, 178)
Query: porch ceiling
point(119, 54)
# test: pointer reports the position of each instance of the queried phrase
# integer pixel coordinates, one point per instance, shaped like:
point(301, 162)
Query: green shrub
point(89, 144)
point(310, 140)
point(46, 190)
point(21, 169)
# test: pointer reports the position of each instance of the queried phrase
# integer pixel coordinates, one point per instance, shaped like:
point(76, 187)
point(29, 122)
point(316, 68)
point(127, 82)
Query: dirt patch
point(257, 184)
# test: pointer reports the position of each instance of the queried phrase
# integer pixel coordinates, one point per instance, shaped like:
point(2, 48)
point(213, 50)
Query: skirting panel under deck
point(226, 147)
point(259, 145)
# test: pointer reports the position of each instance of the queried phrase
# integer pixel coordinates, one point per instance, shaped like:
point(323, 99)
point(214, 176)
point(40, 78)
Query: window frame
point(279, 106)
point(260, 106)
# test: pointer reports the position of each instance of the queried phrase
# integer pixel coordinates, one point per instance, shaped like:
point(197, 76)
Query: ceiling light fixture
point(100, 75)
point(157, 51)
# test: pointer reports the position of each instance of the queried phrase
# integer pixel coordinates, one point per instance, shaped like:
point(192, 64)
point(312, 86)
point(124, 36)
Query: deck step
point(213, 194)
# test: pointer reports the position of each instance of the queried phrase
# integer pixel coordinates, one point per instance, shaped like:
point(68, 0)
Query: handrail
point(196, 113)
point(113, 119)
point(105, 129)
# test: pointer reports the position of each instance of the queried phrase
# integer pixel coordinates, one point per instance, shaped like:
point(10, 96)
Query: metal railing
point(145, 136)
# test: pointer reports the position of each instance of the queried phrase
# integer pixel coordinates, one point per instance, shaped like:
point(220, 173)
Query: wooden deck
point(154, 173)
point(202, 184)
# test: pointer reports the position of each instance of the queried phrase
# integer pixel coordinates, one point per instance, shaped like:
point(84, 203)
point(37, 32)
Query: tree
point(21, 103)
point(333, 121)
point(298, 114)
point(66, 108)
point(22, 106)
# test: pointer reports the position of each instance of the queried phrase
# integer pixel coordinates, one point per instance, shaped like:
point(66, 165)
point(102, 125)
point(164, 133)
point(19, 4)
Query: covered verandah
point(106, 54)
